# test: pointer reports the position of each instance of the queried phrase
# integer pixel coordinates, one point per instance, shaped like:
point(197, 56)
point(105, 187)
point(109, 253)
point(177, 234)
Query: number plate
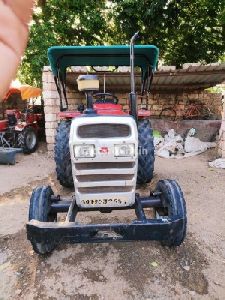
point(105, 202)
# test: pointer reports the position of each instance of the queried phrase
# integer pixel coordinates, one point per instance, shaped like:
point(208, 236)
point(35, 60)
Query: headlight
point(124, 150)
point(82, 151)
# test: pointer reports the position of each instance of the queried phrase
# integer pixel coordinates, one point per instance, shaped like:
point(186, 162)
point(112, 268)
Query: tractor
point(21, 128)
point(104, 152)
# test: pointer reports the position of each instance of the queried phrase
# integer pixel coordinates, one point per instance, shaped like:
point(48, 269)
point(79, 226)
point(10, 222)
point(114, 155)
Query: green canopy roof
point(61, 57)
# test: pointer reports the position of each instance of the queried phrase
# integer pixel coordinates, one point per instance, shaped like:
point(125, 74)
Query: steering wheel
point(105, 98)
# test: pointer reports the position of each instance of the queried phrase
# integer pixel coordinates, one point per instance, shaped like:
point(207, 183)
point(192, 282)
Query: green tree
point(196, 31)
point(65, 22)
point(184, 30)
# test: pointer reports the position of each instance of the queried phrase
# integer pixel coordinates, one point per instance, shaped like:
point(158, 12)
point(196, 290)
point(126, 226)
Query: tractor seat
point(105, 98)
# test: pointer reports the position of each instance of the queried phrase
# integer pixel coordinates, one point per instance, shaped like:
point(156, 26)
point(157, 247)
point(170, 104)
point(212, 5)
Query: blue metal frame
point(140, 229)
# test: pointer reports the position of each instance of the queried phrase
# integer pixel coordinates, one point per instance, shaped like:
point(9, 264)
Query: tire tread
point(62, 155)
point(145, 160)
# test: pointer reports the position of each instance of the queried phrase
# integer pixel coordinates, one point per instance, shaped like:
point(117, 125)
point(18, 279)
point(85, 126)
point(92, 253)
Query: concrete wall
point(156, 102)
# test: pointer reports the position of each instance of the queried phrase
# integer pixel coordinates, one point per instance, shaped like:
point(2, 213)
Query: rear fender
point(143, 114)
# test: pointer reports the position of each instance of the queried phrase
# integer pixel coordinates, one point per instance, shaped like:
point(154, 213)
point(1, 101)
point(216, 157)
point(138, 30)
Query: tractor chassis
point(70, 231)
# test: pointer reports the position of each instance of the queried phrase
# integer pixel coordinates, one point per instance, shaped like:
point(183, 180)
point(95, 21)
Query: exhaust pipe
point(133, 97)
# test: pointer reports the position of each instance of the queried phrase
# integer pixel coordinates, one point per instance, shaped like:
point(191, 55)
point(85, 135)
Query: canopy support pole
point(60, 85)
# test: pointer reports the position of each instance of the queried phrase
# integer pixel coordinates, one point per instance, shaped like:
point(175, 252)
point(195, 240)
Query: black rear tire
point(28, 140)
point(40, 206)
point(173, 205)
point(146, 156)
point(62, 155)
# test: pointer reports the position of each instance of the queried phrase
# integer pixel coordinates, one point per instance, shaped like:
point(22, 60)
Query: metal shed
point(191, 78)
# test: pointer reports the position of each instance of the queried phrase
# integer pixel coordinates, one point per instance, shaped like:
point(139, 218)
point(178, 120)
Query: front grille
point(104, 130)
point(104, 180)
point(105, 189)
point(104, 165)
point(104, 177)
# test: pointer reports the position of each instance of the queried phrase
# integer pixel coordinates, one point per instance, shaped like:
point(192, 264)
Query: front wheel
point(28, 140)
point(40, 210)
point(173, 206)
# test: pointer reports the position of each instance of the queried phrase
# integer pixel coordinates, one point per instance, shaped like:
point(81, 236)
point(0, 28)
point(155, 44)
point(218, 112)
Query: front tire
point(62, 155)
point(173, 205)
point(40, 210)
point(146, 156)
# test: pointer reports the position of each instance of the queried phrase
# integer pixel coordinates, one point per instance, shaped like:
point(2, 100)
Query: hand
point(14, 18)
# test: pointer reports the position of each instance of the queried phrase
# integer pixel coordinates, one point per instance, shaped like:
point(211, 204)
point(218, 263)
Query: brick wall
point(51, 106)
point(155, 103)
point(181, 101)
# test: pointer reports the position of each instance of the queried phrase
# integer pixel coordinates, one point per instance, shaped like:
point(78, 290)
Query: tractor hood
point(61, 57)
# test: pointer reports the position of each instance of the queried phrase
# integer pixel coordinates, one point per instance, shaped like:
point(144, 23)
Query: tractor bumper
point(152, 229)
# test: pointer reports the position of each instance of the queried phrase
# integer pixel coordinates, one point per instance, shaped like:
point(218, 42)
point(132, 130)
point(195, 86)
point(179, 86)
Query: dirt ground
point(28, 168)
point(136, 270)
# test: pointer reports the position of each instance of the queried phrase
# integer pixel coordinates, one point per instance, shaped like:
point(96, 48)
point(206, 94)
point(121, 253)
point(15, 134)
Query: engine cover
point(104, 156)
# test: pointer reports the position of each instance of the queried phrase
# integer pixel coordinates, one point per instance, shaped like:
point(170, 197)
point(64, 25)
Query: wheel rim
point(31, 140)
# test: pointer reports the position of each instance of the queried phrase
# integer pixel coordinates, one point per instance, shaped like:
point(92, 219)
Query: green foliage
point(196, 31)
point(62, 22)
point(184, 30)
point(216, 89)
point(143, 15)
